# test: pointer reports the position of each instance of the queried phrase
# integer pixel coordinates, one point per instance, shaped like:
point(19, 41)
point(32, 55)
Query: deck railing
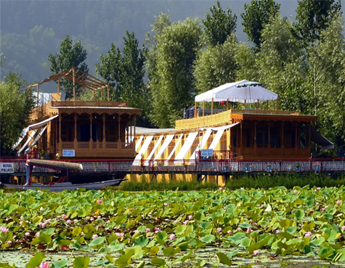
point(204, 166)
point(68, 103)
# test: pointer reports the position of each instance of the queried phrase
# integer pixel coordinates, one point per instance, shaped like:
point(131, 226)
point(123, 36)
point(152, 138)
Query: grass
point(289, 180)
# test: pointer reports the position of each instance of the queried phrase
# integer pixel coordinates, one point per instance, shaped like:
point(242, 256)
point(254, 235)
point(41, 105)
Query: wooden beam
point(73, 85)
point(212, 107)
point(58, 87)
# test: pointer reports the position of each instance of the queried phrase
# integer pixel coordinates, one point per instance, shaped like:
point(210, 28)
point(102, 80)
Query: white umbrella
point(242, 91)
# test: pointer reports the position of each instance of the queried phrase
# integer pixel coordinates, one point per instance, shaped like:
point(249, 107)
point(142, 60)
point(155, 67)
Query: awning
point(142, 150)
point(317, 138)
point(31, 127)
point(185, 148)
point(166, 143)
point(216, 139)
point(175, 147)
point(27, 142)
point(39, 135)
point(138, 143)
point(154, 149)
point(203, 142)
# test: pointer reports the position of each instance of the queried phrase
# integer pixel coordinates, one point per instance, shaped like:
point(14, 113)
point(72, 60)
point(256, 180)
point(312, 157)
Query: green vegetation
point(169, 228)
point(289, 180)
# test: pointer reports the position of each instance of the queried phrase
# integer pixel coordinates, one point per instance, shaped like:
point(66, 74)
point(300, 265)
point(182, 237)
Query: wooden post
point(119, 131)
point(102, 94)
point(266, 105)
point(269, 137)
point(195, 110)
point(38, 95)
point(282, 136)
point(245, 104)
point(94, 95)
point(296, 139)
point(134, 125)
point(309, 138)
point(73, 71)
point(203, 108)
point(277, 103)
point(108, 92)
point(227, 104)
point(58, 87)
point(90, 142)
point(255, 144)
point(258, 104)
point(60, 139)
point(212, 107)
point(103, 140)
point(241, 138)
point(75, 131)
point(131, 130)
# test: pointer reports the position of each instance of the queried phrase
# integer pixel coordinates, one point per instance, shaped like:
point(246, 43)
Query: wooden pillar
point(58, 86)
point(255, 143)
point(277, 103)
point(134, 125)
point(60, 139)
point(131, 130)
point(119, 130)
point(102, 94)
point(282, 138)
point(203, 108)
point(94, 95)
point(269, 138)
point(108, 92)
point(227, 104)
point(309, 138)
point(75, 131)
point(296, 138)
point(241, 135)
point(195, 110)
point(104, 140)
point(258, 104)
point(38, 95)
point(73, 71)
point(245, 104)
point(212, 107)
point(266, 105)
point(90, 142)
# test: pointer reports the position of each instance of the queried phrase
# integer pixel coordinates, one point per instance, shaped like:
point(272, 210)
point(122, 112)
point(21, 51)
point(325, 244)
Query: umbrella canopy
point(241, 91)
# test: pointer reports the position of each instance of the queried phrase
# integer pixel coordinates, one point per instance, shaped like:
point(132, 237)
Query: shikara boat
point(63, 183)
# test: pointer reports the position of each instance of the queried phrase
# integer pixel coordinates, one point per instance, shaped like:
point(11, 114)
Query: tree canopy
point(68, 56)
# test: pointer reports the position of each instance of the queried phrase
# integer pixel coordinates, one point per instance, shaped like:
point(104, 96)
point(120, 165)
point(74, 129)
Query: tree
point(219, 25)
point(172, 80)
point(15, 108)
point(125, 72)
point(314, 16)
point(246, 62)
point(69, 56)
point(255, 16)
point(216, 65)
point(326, 81)
point(281, 64)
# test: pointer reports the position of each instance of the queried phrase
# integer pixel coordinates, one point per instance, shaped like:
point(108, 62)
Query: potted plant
point(42, 153)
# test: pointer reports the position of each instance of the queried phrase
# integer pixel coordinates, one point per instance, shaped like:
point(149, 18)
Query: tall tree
point(313, 17)
point(69, 56)
point(281, 63)
point(326, 81)
point(219, 24)
point(15, 108)
point(216, 65)
point(172, 82)
point(255, 16)
point(125, 72)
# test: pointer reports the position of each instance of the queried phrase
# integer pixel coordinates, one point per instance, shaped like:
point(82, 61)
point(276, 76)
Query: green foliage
point(69, 56)
point(255, 16)
point(281, 64)
point(172, 81)
point(219, 25)
point(15, 108)
point(124, 71)
point(216, 65)
point(314, 16)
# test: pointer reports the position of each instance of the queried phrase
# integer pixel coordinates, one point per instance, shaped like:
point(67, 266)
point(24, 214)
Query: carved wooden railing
point(88, 104)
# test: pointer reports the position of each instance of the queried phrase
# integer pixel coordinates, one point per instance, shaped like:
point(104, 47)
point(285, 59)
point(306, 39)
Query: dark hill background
point(31, 29)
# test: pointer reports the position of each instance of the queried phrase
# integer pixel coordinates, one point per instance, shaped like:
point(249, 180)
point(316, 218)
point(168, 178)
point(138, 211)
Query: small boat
point(63, 183)
point(59, 187)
